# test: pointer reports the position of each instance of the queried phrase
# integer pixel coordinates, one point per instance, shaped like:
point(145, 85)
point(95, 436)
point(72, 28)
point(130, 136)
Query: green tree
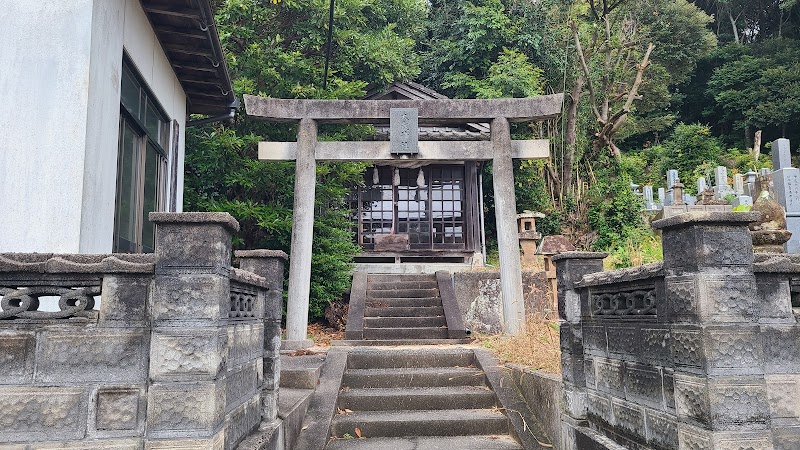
point(757, 86)
point(277, 49)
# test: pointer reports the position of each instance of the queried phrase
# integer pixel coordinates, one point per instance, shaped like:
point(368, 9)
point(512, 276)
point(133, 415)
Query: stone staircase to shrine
point(422, 398)
point(403, 308)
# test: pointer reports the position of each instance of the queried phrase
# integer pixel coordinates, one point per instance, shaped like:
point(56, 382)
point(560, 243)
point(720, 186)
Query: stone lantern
point(551, 246)
point(526, 223)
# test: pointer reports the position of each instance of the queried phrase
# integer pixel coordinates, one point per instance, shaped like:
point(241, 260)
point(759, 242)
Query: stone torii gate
point(404, 117)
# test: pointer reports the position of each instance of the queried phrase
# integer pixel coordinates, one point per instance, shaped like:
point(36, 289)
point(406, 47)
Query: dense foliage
point(650, 85)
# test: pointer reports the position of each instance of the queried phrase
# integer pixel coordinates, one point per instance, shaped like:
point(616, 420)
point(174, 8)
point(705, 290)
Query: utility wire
point(328, 46)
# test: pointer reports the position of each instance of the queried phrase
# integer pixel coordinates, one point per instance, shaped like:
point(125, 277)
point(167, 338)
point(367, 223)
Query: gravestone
point(649, 204)
point(781, 154)
point(721, 187)
point(749, 184)
point(742, 200)
point(662, 195)
point(786, 182)
point(738, 184)
point(672, 178)
point(701, 184)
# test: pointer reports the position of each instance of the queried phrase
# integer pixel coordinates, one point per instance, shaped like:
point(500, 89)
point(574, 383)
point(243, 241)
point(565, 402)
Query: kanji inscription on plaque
point(404, 131)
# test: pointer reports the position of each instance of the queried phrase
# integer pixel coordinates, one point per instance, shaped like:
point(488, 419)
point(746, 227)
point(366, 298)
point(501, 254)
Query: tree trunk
point(757, 147)
point(735, 28)
point(571, 135)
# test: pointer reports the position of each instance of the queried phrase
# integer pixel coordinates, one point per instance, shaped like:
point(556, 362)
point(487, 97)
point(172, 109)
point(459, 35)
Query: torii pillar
point(306, 151)
point(305, 183)
point(505, 206)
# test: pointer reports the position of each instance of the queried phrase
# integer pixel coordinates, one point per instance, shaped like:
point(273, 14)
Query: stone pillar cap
point(221, 218)
point(579, 255)
point(530, 215)
point(707, 218)
point(261, 253)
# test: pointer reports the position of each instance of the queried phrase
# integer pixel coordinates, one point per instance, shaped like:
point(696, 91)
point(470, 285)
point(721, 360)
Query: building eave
point(188, 35)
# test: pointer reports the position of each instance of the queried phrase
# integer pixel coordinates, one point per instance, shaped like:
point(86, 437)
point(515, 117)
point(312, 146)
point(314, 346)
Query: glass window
point(141, 166)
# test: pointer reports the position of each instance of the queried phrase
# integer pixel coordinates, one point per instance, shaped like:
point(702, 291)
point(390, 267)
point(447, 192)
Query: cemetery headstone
point(742, 200)
point(701, 184)
point(786, 184)
point(649, 204)
point(721, 187)
point(749, 183)
point(672, 178)
point(781, 154)
point(738, 184)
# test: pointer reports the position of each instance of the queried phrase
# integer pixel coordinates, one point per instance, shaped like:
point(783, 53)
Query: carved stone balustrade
point(158, 351)
point(700, 351)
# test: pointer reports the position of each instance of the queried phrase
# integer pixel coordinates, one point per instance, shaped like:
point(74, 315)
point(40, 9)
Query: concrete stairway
point(436, 398)
point(403, 308)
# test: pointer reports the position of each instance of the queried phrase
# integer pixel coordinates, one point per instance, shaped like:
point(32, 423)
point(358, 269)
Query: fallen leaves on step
point(358, 432)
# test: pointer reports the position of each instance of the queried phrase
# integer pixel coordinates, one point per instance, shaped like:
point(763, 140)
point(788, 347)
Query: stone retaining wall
point(480, 298)
point(700, 352)
point(125, 351)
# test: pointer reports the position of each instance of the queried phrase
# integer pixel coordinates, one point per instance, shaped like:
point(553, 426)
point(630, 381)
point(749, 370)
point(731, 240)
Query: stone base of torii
point(403, 144)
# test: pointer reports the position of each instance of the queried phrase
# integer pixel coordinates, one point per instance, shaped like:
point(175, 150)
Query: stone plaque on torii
point(501, 149)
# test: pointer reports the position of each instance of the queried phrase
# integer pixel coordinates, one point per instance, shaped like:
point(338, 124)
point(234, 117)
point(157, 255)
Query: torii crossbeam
point(501, 149)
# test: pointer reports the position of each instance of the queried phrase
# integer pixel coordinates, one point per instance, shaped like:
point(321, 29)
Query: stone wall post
point(570, 268)
point(712, 304)
point(269, 264)
point(507, 233)
point(191, 291)
point(302, 237)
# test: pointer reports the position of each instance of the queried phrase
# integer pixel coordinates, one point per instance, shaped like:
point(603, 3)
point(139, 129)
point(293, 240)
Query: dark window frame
point(144, 142)
point(451, 230)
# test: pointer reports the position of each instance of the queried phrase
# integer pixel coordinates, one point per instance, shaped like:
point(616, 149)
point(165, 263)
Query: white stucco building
point(94, 101)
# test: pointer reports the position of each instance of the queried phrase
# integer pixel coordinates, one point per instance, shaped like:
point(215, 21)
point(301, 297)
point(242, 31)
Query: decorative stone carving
point(117, 409)
point(243, 302)
point(24, 302)
point(639, 302)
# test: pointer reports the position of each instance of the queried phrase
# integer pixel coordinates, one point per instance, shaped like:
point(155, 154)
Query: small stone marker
point(742, 200)
point(781, 154)
point(738, 184)
point(786, 185)
point(721, 176)
point(672, 178)
point(721, 187)
point(662, 194)
point(750, 184)
point(649, 204)
point(404, 131)
point(701, 184)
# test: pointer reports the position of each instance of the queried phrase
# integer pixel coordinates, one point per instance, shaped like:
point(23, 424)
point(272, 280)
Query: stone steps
point(424, 377)
point(395, 399)
point(451, 422)
point(406, 333)
point(300, 372)
point(415, 277)
point(421, 398)
point(493, 442)
point(397, 342)
point(404, 311)
point(392, 284)
point(400, 302)
point(411, 358)
point(402, 293)
point(404, 322)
